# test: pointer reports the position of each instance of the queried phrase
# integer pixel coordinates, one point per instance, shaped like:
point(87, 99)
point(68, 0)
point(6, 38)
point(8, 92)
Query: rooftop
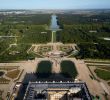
point(57, 91)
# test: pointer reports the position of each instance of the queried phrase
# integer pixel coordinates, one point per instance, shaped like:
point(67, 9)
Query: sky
point(54, 4)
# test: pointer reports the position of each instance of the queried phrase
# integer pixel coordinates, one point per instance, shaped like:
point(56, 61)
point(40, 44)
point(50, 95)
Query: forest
point(38, 19)
point(22, 31)
point(88, 31)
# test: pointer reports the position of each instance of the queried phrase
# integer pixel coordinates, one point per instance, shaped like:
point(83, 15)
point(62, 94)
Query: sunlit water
point(54, 26)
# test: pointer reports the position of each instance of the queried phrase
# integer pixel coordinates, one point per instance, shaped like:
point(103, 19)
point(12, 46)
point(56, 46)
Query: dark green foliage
point(103, 74)
point(28, 29)
point(68, 69)
point(22, 55)
point(38, 19)
point(83, 18)
point(35, 36)
point(90, 50)
point(80, 33)
point(44, 69)
point(88, 31)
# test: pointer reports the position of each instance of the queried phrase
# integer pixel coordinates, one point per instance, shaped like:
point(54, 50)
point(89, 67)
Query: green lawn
point(68, 69)
point(102, 74)
point(53, 36)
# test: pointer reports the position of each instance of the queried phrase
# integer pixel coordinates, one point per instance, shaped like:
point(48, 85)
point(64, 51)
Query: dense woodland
point(82, 33)
point(70, 19)
point(27, 29)
point(95, 51)
point(88, 31)
point(38, 19)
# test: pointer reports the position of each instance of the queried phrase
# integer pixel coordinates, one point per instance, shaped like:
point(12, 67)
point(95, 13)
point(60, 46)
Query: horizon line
point(55, 9)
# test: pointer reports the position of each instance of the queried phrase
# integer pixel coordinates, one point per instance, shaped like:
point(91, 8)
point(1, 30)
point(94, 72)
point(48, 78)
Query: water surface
point(54, 26)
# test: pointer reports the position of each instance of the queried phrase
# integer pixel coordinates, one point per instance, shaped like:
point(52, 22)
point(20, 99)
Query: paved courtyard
point(31, 66)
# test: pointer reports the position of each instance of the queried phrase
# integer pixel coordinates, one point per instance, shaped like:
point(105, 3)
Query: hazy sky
point(54, 4)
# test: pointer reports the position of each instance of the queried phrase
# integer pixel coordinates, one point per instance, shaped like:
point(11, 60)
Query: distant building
point(57, 91)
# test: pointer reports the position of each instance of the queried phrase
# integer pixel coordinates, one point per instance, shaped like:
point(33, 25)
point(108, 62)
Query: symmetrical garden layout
point(56, 49)
point(30, 51)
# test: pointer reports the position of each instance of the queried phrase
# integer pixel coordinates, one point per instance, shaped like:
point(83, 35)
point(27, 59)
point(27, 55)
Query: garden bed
point(105, 75)
point(13, 74)
point(4, 80)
